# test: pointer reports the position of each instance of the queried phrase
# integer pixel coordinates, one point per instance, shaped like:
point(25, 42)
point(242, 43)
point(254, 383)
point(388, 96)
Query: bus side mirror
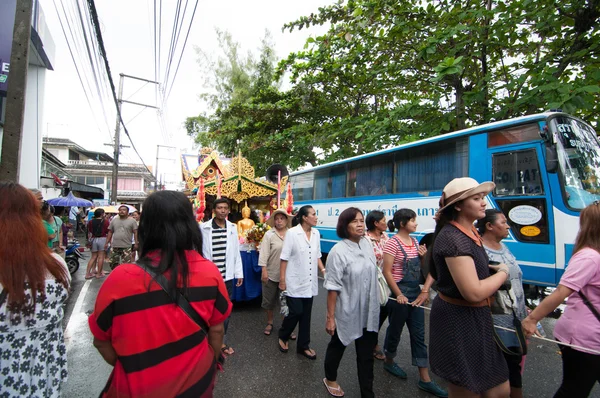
point(551, 159)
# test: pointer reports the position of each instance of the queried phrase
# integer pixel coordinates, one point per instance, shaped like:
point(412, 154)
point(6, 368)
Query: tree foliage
point(388, 72)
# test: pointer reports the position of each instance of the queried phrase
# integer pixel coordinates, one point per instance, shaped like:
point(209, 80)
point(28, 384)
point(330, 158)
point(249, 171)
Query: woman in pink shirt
point(580, 324)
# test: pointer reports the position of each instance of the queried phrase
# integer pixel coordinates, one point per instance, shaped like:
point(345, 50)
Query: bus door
point(523, 194)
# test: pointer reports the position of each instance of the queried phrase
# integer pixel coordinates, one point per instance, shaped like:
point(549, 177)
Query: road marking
point(77, 317)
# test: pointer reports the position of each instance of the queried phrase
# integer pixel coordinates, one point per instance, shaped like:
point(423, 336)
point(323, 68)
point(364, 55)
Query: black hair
point(135, 211)
point(490, 217)
point(445, 217)
point(373, 217)
point(303, 212)
point(98, 213)
point(52, 209)
point(45, 207)
point(345, 218)
point(254, 216)
point(167, 224)
point(219, 201)
point(401, 218)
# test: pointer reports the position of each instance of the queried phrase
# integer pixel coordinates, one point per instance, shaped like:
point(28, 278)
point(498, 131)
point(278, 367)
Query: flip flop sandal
point(293, 336)
point(281, 348)
point(268, 330)
point(90, 276)
point(225, 350)
point(307, 355)
point(379, 355)
point(333, 391)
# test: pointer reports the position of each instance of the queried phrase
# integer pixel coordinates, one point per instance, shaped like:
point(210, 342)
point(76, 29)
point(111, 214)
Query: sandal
point(282, 348)
point(227, 351)
point(333, 391)
point(293, 336)
point(268, 329)
point(378, 354)
point(307, 354)
point(90, 276)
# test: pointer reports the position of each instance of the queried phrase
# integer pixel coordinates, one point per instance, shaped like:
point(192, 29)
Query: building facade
point(95, 169)
point(41, 52)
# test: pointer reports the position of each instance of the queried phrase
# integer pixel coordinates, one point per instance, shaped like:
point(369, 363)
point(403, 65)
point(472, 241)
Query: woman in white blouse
point(300, 262)
point(352, 302)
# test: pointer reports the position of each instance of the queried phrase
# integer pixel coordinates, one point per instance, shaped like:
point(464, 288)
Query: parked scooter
point(72, 256)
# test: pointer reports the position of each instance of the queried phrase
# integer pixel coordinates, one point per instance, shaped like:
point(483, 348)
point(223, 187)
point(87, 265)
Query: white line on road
point(77, 316)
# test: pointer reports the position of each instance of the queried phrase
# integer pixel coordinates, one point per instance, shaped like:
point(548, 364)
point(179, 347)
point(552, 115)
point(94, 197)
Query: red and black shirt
point(161, 351)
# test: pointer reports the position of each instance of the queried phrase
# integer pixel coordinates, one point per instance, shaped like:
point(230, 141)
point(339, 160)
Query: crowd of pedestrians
point(161, 321)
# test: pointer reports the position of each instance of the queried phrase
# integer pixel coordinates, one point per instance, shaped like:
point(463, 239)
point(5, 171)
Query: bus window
point(524, 133)
point(578, 151)
point(517, 173)
point(430, 167)
point(527, 218)
point(372, 176)
point(302, 186)
point(330, 183)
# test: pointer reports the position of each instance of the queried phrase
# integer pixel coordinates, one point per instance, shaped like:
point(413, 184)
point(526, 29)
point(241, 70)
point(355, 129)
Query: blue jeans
point(414, 318)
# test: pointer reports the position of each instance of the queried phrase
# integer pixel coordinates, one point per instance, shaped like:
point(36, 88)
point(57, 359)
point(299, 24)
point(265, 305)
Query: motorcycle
point(72, 256)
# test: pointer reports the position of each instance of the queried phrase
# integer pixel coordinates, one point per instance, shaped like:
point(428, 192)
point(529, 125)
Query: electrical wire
point(77, 68)
point(182, 51)
point(96, 25)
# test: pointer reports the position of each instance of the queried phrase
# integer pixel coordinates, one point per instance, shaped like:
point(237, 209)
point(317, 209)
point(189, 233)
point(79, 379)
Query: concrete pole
point(156, 170)
point(15, 96)
point(115, 170)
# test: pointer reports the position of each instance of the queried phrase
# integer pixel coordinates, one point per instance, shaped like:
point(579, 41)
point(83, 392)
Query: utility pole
point(115, 170)
point(156, 168)
point(15, 97)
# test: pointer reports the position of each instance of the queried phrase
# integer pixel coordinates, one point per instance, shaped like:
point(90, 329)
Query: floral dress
point(33, 355)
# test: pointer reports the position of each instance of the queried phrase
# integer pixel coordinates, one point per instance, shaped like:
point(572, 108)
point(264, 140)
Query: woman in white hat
point(269, 261)
point(461, 348)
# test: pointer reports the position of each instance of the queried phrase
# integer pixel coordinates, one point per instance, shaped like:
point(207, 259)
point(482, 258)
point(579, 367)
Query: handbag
point(503, 303)
point(383, 290)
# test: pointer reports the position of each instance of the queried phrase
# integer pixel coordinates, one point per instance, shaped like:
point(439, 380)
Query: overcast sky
point(127, 28)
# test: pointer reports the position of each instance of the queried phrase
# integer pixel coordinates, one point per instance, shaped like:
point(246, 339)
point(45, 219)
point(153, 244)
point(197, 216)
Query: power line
point(182, 51)
point(77, 69)
point(96, 25)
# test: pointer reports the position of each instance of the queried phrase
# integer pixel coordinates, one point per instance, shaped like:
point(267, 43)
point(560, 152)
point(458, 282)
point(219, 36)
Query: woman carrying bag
point(462, 349)
point(493, 228)
point(352, 304)
point(580, 323)
point(159, 321)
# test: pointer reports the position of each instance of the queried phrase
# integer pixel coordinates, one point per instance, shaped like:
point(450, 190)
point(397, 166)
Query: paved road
point(258, 369)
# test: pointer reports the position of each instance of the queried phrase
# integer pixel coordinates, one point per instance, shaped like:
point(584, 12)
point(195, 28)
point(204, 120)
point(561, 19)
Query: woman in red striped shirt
point(160, 349)
point(402, 257)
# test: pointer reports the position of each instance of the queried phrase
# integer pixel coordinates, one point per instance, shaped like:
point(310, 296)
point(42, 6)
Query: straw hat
point(461, 188)
point(271, 221)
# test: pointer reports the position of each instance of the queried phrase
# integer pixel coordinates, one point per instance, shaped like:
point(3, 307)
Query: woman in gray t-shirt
point(493, 229)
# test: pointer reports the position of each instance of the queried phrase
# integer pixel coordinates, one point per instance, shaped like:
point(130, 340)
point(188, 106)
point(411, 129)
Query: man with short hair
point(220, 245)
point(120, 231)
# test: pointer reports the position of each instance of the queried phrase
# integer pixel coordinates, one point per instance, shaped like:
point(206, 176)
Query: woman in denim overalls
point(402, 270)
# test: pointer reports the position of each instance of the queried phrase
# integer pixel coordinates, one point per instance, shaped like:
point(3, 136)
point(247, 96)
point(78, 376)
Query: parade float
point(208, 176)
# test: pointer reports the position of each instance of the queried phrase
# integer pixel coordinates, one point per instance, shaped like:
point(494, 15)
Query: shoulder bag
point(589, 305)
point(180, 299)
point(384, 290)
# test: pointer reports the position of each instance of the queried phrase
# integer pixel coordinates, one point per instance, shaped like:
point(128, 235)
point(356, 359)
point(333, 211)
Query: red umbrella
point(201, 201)
point(290, 199)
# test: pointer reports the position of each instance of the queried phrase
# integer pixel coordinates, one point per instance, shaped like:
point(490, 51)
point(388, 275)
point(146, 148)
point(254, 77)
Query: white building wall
point(31, 144)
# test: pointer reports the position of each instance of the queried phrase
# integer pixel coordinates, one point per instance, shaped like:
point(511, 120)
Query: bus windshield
point(578, 151)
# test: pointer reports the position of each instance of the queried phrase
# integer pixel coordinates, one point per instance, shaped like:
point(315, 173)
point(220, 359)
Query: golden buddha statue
point(245, 223)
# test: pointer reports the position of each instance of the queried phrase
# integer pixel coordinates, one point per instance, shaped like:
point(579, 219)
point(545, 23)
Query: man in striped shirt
point(220, 245)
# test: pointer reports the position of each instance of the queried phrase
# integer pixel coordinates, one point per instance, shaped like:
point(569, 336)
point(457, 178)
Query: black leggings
point(580, 372)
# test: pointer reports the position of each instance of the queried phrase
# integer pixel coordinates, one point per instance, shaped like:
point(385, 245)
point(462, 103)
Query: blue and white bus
point(546, 168)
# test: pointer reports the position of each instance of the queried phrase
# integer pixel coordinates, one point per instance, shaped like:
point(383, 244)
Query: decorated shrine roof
point(238, 181)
